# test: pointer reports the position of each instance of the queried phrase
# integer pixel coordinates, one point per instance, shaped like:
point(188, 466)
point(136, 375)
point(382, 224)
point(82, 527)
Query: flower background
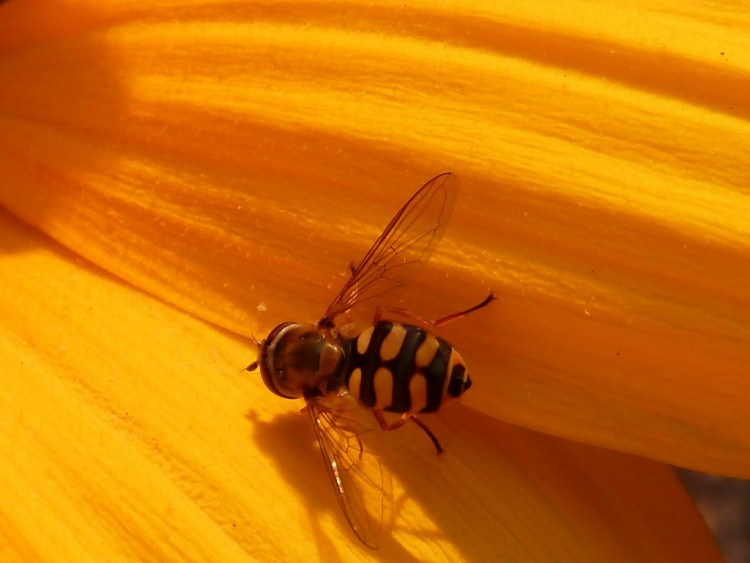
point(179, 178)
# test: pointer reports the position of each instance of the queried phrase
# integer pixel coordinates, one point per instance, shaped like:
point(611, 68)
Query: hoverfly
point(399, 367)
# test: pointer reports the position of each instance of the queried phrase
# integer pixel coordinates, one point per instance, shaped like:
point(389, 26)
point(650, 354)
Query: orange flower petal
point(129, 432)
point(234, 160)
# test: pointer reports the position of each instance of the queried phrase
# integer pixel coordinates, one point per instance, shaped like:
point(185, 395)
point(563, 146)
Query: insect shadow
point(289, 441)
point(408, 457)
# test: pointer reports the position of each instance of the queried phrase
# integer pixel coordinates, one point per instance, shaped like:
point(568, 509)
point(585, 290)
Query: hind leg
point(429, 324)
point(384, 425)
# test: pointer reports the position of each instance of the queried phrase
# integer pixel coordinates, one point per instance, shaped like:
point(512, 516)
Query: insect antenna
point(258, 343)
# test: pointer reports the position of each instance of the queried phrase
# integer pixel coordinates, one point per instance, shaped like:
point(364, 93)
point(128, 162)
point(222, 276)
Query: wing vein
point(406, 243)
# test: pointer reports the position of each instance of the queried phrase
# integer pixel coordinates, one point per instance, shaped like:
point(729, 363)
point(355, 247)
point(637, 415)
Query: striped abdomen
point(403, 368)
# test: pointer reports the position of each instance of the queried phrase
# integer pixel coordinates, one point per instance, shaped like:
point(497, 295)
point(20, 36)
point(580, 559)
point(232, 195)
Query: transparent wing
point(361, 485)
point(406, 243)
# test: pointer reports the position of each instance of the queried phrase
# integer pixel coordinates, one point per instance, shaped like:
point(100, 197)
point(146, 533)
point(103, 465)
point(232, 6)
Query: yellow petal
point(234, 160)
point(128, 432)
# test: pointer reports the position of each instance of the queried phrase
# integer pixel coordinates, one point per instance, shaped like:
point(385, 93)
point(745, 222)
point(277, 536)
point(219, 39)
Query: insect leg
point(429, 324)
point(384, 425)
point(455, 316)
point(430, 435)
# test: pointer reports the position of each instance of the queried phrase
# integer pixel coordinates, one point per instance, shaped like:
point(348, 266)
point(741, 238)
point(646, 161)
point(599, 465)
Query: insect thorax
point(299, 360)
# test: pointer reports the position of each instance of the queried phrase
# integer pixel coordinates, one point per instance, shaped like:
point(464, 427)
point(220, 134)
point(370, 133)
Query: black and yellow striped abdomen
point(403, 368)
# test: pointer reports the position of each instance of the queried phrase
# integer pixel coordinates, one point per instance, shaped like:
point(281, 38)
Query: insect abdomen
point(403, 368)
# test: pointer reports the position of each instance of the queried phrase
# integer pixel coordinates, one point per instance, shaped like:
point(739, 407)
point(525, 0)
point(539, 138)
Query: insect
point(399, 367)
